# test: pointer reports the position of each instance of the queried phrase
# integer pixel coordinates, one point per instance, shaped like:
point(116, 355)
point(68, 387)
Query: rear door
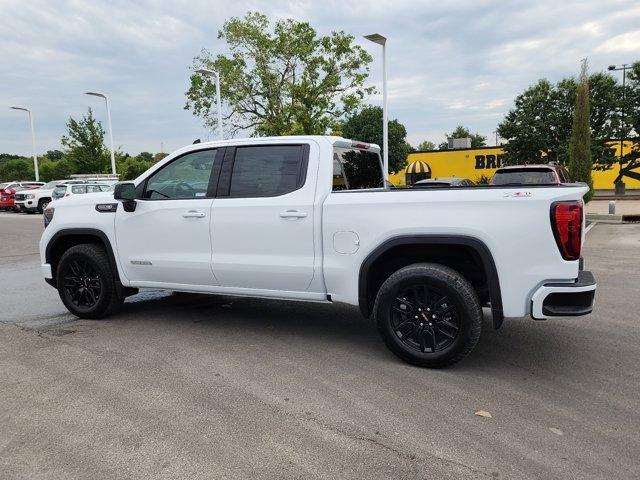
point(263, 216)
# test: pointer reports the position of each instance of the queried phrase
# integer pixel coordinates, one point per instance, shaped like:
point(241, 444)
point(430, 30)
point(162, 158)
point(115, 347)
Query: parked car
point(268, 219)
point(37, 200)
point(444, 182)
point(8, 191)
point(69, 189)
point(550, 174)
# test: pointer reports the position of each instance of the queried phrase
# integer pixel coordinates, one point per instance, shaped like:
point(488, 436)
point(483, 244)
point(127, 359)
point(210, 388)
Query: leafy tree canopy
point(477, 140)
point(539, 126)
point(84, 144)
point(366, 126)
point(426, 145)
point(280, 79)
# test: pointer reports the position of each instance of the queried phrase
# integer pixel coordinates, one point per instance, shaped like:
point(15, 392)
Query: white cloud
point(449, 63)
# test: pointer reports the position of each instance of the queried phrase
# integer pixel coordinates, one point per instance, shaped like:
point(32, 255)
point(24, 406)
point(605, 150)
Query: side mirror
point(126, 192)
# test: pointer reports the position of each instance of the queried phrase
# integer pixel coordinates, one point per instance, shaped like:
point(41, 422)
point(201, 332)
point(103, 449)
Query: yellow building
point(472, 163)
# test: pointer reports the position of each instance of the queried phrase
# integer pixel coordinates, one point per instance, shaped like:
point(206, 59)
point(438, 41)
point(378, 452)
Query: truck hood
point(84, 199)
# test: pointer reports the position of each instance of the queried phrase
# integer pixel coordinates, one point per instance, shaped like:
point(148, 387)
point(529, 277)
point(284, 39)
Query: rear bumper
point(564, 299)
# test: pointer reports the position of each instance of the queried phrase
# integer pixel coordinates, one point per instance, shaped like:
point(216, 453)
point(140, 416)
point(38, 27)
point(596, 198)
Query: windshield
point(524, 176)
point(355, 169)
point(50, 185)
point(60, 191)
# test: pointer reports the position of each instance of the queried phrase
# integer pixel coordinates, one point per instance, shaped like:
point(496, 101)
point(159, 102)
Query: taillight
point(566, 223)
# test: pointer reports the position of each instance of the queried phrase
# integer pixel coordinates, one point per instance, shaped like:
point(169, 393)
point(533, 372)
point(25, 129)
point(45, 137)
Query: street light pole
point(106, 101)
point(213, 73)
point(380, 40)
point(33, 141)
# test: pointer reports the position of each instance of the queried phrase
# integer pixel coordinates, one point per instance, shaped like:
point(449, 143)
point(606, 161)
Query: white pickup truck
point(307, 218)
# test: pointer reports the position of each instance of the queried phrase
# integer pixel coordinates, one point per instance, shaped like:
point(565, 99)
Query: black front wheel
point(86, 283)
point(428, 315)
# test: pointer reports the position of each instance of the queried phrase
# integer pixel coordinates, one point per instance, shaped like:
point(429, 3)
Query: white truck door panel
point(166, 241)
point(263, 239)
point(167, 238)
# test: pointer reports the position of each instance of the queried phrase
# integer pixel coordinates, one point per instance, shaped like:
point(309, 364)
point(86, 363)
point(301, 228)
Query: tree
point(580, 163)
point(84, 144)
point(55, 170)
point(426, 145)
point(54, 154)
point(366, 126)
point(159, 156)
point(477, 140)
point(630, 128)
point(280, 80)
point(539, 126)
point(16, 168)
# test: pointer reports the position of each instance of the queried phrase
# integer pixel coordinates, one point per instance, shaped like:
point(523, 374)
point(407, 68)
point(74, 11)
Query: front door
point(167, 239)
point(262, 221)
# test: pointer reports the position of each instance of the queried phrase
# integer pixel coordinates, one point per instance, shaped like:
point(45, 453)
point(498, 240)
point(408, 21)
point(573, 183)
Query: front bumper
point(564, 299)
point(26, 206)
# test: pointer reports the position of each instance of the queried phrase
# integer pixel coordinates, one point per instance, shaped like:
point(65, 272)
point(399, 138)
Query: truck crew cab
point(309, 218)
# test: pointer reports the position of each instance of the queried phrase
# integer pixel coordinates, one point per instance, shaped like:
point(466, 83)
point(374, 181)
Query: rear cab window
point(525, 176)
point(356, 169)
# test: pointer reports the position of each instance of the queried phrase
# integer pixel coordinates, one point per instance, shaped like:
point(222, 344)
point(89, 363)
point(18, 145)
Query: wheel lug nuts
point(433, 316)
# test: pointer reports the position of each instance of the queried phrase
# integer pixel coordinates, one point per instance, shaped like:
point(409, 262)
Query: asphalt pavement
point(204, 387)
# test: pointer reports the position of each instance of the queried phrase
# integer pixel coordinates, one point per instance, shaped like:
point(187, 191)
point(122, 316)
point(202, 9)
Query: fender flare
point(72, 232)
point(477, 245)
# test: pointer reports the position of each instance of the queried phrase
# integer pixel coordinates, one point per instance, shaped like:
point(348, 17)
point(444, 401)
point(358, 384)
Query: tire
point(428, 315)
point(86, 282)
point(42, 204)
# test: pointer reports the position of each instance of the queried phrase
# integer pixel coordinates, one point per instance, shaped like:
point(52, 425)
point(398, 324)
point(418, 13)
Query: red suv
point(8, 191)
point(551, 174)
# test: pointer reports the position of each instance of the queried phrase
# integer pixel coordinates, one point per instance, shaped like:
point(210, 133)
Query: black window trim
point(226, 171)
point(142, 186)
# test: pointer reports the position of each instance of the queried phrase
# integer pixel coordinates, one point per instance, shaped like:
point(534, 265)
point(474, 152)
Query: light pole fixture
point(106, 101)
point(624, 68)
point(33, 140)
point(216, 75)
point(380, 40)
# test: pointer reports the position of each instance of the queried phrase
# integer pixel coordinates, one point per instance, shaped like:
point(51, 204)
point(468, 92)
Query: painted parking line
point(591, 225)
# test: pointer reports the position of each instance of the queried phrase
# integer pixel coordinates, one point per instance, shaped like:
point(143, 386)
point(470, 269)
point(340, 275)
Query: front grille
point(20, 196)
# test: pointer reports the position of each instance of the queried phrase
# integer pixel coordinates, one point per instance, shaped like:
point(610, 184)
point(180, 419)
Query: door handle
point(193, 214)
point(293, 214)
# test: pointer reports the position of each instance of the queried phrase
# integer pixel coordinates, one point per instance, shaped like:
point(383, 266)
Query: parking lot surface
point(193, 386)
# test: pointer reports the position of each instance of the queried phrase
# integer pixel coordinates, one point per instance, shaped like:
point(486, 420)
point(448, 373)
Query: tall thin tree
point(580, 161)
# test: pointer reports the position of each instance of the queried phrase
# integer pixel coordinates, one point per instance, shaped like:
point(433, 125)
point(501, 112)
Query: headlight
point(30, 195)
point(48, 215)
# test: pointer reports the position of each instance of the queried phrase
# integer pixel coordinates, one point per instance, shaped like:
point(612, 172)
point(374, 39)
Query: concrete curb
point(602, 218)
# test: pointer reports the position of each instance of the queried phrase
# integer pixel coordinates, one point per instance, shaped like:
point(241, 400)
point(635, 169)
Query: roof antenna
point(197, 140)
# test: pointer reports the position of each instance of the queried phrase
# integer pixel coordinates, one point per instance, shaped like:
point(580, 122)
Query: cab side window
point(183, 178)
point(78, 189)
point(267, 170)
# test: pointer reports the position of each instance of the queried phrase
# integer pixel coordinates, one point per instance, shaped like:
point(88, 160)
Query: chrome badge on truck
point(518, 194)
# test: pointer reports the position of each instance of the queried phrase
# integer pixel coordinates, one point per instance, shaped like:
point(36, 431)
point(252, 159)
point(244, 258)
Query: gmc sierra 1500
point(309, 218)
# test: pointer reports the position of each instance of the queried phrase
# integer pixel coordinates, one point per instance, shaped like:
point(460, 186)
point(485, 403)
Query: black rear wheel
point(86, 282)
point(428, 315)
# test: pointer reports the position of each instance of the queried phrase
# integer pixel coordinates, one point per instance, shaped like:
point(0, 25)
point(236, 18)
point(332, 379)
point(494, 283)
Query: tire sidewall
point(106, 281)
point(450, 286)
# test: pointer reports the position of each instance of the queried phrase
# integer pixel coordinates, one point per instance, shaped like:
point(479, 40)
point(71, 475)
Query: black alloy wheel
point(82, 284)
point(428, 315)
point(425, 319)
point(87, 282)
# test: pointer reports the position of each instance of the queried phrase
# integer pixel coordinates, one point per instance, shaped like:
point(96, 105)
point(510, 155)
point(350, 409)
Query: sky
point(449, 62)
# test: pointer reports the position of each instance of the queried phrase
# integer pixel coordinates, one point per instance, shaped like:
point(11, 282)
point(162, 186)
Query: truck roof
point(332, 139)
